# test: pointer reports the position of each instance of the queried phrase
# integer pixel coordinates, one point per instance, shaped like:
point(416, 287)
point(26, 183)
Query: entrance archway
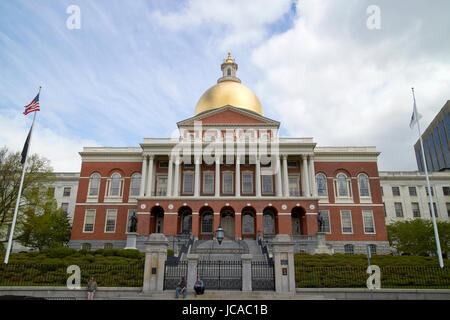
point(157, 215)
point(227, 222)
point(297, 218)
point(185, 220)
point(249, 223)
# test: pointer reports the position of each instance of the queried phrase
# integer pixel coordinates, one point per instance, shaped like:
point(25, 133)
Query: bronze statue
point(133, 223)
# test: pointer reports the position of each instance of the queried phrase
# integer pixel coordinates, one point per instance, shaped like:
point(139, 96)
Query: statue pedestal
point(321, 246)
point(131, 240)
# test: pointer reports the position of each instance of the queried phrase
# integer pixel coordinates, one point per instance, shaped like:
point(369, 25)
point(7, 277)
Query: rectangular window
point(369, 224)
point(267, 184)
point(163, 164)
point(415, 209)
point(412, 191)
point(110, 223)
point(396, 191)
point(188, 182)
point(398, 209)
point(446, 191)
point(89, 220)
point(247, 183)
point(66, 192)
point(65, 208)
point(346, 221)
point(292, 164)
point(432, 192)
point(293, 186)
point(325, 215)
point(188, 165)
point(161, 186)
point(435, 209)
point(208, 182)
point(228, 183)
point(448, 209)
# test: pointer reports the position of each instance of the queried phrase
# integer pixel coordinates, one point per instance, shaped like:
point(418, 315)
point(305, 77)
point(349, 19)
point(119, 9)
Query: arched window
point(94, 184)
point(342, 185)
point(321, 180)
point(135, 184)
point(115, 185)
point(248, 223)
point(207, 222)
point(363, 183)
point(348, 249)
point(228, 72)
point(268, 223)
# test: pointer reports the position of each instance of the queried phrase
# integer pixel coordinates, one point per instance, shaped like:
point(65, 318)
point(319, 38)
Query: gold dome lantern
point(229, 91)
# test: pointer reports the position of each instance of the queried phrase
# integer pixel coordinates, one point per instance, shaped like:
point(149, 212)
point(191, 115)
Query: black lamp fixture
point(220, 234)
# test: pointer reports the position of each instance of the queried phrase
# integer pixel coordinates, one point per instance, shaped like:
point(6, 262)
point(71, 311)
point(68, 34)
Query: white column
point(176, 187)
point(197, 177)
point(150, 177)
point(285, 177)
point(217, 179)
point(238, 176)
point(312, 177)
point(143, 176)
point(170, 177)
point(278, 184)
point(305, 175)
point(258, 177)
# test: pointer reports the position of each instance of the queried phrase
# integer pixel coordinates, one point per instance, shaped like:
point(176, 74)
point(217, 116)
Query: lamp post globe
point(220, 234)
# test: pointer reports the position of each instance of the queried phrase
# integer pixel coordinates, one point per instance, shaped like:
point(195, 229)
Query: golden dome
point(229, 91)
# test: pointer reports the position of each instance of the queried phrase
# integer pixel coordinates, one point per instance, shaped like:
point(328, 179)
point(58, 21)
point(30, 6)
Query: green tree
point(416, 237)
point(38, 175)
point(44, 226)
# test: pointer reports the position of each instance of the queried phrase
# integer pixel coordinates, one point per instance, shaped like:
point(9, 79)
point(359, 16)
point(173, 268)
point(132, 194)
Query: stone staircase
point(229, 250)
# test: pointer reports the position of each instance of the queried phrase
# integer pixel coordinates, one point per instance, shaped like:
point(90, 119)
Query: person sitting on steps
point(199, 286)
point(181, 288)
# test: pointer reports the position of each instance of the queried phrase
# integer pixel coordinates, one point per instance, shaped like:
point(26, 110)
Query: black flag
point(25, 147)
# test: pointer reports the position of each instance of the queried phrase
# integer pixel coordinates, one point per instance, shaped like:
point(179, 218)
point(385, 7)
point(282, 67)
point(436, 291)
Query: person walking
point(181, 288)
point(91, 288)
point(199, 287)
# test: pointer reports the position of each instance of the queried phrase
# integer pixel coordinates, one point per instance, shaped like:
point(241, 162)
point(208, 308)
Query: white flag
point(415, 116)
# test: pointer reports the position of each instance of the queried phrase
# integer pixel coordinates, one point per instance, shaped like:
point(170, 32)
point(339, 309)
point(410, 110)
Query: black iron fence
point(173, 273)
point(129, 275)
point(263, 275)
point(400, 277)
point(220, 275)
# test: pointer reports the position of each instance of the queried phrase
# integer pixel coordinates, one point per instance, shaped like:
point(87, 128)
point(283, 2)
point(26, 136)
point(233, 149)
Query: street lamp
point(220, 234)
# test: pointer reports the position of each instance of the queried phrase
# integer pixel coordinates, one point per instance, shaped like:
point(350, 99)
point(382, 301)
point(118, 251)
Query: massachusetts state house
point(230, 168)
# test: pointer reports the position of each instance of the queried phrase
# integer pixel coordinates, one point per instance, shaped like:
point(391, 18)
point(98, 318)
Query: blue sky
point(135, 68)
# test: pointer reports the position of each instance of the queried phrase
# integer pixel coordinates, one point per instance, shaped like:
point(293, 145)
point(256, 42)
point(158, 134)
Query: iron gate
point(263, 275)
point(173, 273)
point(220, 275)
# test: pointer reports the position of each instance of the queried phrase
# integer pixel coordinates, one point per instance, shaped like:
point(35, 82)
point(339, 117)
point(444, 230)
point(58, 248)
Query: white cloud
point(62, 151)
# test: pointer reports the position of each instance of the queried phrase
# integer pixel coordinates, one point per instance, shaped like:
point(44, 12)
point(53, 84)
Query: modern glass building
point(436, 143)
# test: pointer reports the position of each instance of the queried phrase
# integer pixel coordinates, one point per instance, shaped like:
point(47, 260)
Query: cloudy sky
point(135, 68)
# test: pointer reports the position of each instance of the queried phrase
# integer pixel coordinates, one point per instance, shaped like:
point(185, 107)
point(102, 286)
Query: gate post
point(283, 258)
point(192, 270)
point(155, 258)
point(246, 272)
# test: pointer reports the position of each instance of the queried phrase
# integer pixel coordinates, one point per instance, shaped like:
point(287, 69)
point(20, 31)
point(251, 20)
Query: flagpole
point(11, 233)
point(433, 217)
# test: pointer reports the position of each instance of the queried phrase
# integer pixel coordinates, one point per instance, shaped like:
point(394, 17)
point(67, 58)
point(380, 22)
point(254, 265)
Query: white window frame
point(139, 185)
point(163, 166)
point(111, 212)
point(232, 182)
point(297, 182)
point(211, 191)
point(351, 221)
point(326, 185)
point(185, 173)
point(64, 191)
point(62, 204)
point(251, 181)
point(114, 198)
point(329, 220)
point(364, 221)
point(159, 176)
point(362, 198)
point(395, 209)
point(349, 197)
point(93, 198)
point(262, 184)
point(93, 213)
point(418, 207)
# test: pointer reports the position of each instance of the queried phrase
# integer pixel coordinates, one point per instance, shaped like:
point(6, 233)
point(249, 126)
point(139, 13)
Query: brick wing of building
point(230, 168)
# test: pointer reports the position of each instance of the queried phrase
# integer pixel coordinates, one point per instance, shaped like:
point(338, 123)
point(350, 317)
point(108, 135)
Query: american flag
point(33, 106)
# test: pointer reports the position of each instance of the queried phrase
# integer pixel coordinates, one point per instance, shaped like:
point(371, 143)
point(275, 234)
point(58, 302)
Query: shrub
point(60, 252)
point(170, 252)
